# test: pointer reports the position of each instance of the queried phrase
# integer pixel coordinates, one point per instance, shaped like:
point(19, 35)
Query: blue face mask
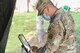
point(46, 17)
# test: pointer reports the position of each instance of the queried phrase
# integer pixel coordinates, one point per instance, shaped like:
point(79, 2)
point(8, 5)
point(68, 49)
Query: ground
point(26, 22)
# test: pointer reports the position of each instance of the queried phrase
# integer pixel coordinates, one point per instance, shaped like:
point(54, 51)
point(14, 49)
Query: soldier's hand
point(34, 48)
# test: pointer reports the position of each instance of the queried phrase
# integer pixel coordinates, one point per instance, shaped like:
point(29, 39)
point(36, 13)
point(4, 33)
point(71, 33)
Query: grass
point(77, 26)
point(26, 22)
point(22, 23)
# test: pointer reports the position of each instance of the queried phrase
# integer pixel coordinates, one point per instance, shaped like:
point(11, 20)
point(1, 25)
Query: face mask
point(46, 17)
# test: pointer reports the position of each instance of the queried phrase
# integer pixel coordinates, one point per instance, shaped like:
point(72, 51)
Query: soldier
point(61, 37)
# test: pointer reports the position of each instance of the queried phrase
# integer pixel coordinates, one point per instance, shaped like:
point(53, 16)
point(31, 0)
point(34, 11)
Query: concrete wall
point(73, 4)
point(21, 5)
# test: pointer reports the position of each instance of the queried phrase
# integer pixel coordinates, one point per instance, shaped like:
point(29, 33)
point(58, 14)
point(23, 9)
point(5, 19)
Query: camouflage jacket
point(61, 30)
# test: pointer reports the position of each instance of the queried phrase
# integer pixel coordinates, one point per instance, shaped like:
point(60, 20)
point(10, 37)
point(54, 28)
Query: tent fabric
point(6, 13)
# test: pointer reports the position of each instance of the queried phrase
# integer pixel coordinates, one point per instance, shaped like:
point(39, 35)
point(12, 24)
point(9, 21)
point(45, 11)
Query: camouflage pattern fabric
point(61, 37)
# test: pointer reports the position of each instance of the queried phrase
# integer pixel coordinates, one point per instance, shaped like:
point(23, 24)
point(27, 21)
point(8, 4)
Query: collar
point(58, 11)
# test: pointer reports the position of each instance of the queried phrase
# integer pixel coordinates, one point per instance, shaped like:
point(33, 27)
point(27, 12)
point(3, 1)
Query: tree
point(28, 5)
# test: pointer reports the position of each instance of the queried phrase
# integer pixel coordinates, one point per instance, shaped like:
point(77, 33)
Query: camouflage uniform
point(61, 37)
point(61, 32)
